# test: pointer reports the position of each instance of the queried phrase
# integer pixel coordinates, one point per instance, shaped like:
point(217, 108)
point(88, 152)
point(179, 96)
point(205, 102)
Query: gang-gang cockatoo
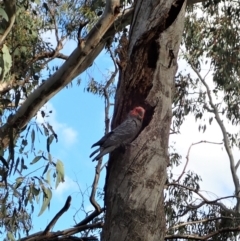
point(122, 134)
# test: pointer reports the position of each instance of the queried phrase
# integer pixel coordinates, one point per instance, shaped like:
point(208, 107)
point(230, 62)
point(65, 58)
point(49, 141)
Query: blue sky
point(78, 119)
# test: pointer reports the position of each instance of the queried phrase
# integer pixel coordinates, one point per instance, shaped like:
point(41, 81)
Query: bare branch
point(191, 2)
point(205, 200)
point(75, 230)
point(107, 122)
point(94, 187)
point(225, 137)
point(44, 55)
point(237, 165)
point(55, 24)
point(106, 94)
point(57, 216)
point(206, 237)
point(201, 221)
point(208, 109)
point(65, 233)
point(82, 25)
point(10, 7)
point(89, 218)
point(188, 153)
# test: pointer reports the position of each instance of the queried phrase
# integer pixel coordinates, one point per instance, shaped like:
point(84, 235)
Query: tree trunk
point(136, 177)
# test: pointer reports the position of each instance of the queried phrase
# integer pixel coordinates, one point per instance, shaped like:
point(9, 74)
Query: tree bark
point(136, 177)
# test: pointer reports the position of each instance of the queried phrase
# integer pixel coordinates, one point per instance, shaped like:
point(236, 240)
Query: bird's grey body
point(121, 135)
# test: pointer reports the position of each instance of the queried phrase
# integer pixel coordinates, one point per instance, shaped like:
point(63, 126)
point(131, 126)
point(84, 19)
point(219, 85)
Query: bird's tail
point(101, 153)
point(104, 151)
point(98, 156)
point(94, 152)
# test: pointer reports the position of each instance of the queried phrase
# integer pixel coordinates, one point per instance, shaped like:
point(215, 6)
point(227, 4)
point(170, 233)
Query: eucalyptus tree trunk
point(136, 177)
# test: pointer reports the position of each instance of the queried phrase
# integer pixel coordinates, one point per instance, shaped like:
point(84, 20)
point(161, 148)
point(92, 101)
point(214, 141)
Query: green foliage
point(210, 46)
point(26, 174)
point(60, 172)
point(214, 38)
point(3, 14)
point(98, 88)
point(47, 195)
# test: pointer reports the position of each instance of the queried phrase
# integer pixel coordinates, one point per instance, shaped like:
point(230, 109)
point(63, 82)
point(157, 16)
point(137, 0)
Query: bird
point(123, 134)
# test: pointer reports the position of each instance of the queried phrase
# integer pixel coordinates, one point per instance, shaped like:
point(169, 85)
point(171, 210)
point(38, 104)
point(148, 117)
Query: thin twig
point(107, 127)
point(10, 7)
point(51, 11)
point(94, 187)
point(89, 218)
point(225, 138)
point(106, 92)
point(50, 55)
point(201, 221)
point(205, 200)
point(237, 165)
point(188, 153)
point(206, 237)
point(82, 25)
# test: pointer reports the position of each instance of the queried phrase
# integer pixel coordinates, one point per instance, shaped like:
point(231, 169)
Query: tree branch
point(205, 200)
point(89, 218)
point(206, 237)
point(94, 187)
point(188, 153)
point(201, 221)
point(11, 12)
point(81, 58)
point(191, 2)
point(52, 54)
point(225, 137)
point(67, 232)
point(57, 216)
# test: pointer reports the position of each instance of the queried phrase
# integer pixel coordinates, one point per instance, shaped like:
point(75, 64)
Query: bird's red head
point(138, 112)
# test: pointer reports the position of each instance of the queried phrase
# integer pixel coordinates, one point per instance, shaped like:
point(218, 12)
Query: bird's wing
point(124, 133)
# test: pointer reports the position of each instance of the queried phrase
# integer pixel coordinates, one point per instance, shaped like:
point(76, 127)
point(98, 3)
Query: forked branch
point(225, 137)
point(187, 157)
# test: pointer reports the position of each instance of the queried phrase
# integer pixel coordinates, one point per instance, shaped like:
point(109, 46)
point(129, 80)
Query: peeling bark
point(136, 177)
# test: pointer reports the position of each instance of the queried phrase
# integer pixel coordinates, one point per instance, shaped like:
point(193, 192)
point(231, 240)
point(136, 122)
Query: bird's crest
point(139, 112)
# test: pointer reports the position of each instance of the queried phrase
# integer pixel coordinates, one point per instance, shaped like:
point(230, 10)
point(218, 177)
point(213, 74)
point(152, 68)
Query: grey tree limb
point(82, 57)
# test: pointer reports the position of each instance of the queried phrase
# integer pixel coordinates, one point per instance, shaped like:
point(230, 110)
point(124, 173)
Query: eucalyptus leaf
point(47, 196)
point(3, 14)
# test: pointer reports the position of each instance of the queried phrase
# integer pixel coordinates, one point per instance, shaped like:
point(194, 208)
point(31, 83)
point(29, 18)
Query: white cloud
point(210, 161)
point(70, 136)
point(69, 186)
